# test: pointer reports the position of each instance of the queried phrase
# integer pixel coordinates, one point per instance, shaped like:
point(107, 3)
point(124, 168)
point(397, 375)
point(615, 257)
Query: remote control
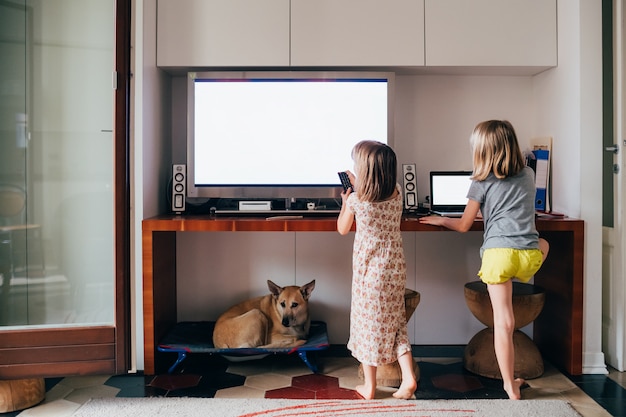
point(345, 181)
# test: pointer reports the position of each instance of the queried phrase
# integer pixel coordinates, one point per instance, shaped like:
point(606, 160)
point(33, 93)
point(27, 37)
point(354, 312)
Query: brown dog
point(279, 319)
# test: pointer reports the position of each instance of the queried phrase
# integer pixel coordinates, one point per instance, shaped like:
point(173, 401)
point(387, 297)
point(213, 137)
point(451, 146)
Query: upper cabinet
point(492, 33)
point(357, 33)
point(200, 33)
point(416, 34)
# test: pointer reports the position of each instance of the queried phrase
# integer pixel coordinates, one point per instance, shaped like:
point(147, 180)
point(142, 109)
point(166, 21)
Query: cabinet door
point(205, 33)
point(491, 33)
point(357, 32)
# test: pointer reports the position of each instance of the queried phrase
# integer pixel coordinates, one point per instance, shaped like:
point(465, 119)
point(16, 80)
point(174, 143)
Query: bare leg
point(504, 324)
point(408, 385)
point(368, 389)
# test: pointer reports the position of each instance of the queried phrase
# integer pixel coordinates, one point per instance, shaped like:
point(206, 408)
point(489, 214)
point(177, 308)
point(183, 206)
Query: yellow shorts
point(501, 264)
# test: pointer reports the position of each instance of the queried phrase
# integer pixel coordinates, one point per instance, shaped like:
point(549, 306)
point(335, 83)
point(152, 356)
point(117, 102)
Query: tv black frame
point(275, 191)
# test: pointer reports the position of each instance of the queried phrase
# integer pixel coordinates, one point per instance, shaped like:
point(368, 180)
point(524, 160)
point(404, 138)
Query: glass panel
point(56, 119)
point(13, 139)
point(608, 138)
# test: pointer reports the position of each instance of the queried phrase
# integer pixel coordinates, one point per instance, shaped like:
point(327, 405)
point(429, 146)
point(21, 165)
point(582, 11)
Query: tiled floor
point(442, 376)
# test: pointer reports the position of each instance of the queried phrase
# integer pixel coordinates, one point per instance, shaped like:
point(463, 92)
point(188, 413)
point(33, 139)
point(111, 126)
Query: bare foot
point(406, 390)
point(514, 391)
point(365, 391)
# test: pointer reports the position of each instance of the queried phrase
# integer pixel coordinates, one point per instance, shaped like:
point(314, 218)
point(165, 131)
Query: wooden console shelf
point(558, 331)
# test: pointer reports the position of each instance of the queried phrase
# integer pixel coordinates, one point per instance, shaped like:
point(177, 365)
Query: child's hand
point(433, 220)
point(345, 194)
point(352, 178)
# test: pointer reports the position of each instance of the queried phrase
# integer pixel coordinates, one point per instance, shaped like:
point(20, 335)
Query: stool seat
point(18, 394)
point(528, 301)
point(479, 356)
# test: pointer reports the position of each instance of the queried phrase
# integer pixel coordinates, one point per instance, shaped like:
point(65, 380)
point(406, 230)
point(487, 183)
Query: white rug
point(218, 407)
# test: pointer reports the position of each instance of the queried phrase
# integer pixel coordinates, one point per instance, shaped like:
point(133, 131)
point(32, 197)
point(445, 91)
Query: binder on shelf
point(542, 158)
point(542, 149)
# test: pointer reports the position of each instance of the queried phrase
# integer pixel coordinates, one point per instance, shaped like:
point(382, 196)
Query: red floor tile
point(315, 382)
point(291, 393)
point(314, 387)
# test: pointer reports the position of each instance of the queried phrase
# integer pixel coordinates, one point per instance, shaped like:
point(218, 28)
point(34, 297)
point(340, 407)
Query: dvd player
point(268, 213)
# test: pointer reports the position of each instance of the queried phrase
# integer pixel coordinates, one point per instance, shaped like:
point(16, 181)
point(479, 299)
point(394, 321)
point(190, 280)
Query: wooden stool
point(480, 356)
point(390, 375)
point(19, 394)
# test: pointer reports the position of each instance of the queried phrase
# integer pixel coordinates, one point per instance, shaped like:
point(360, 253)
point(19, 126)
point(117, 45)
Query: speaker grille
point(409, 182)
point(179, 186)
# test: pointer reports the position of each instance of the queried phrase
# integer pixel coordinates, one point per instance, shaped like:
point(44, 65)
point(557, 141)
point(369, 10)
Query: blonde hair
point(376, 165)
point(495, 149)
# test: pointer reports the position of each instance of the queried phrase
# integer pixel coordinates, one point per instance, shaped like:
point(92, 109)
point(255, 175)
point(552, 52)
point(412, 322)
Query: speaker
point(409, 180)
point(179, 186)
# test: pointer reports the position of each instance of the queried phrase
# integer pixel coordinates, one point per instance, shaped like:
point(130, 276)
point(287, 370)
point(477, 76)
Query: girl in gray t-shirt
point(503, 191)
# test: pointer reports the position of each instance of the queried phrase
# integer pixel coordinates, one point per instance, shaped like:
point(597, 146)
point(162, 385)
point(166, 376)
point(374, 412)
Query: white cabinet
point(197, 33)
point(357, 33)
point(491, 33)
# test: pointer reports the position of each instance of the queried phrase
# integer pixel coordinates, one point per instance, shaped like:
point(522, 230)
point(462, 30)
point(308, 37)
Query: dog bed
point(197, 337)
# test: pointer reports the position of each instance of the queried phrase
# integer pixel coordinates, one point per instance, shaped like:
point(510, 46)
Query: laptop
point(448, 192)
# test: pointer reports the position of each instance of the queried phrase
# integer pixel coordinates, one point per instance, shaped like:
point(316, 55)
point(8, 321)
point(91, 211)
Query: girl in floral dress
point(378, 332)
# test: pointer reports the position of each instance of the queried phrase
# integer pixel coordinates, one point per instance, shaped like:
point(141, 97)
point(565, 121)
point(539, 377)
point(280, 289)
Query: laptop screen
point(448, 189)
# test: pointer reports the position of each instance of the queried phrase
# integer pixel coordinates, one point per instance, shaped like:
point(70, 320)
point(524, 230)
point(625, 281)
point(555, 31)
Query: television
point(279, 135)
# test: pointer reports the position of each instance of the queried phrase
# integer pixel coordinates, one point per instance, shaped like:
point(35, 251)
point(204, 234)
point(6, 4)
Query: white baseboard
point(593, 363)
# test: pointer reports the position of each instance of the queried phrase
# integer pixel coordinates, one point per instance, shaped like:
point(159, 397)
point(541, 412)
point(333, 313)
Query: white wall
point(150, 148)
point(590, 158)
point(569, 107)
point(435, 115)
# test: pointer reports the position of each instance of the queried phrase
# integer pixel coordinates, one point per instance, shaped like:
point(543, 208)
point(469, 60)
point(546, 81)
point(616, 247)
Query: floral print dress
point(378, 333)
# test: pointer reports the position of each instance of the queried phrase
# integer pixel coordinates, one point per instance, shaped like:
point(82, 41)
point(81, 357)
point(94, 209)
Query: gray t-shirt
point(508, 209)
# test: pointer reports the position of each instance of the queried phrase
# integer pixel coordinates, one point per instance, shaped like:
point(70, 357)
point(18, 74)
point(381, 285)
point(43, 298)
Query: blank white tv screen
point(291, 132)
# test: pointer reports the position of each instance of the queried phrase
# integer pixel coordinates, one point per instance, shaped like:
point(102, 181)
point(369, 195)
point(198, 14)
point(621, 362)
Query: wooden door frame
point(66, 351)
point(122, 219)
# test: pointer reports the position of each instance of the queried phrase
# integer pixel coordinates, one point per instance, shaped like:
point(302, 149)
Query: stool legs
point(479, 356)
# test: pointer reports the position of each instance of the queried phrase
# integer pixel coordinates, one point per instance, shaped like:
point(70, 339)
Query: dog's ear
point(274, 289)
point(307, 289)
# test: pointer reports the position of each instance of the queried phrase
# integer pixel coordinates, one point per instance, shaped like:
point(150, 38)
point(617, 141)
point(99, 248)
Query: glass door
point(58, 173)
point(58, 153)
